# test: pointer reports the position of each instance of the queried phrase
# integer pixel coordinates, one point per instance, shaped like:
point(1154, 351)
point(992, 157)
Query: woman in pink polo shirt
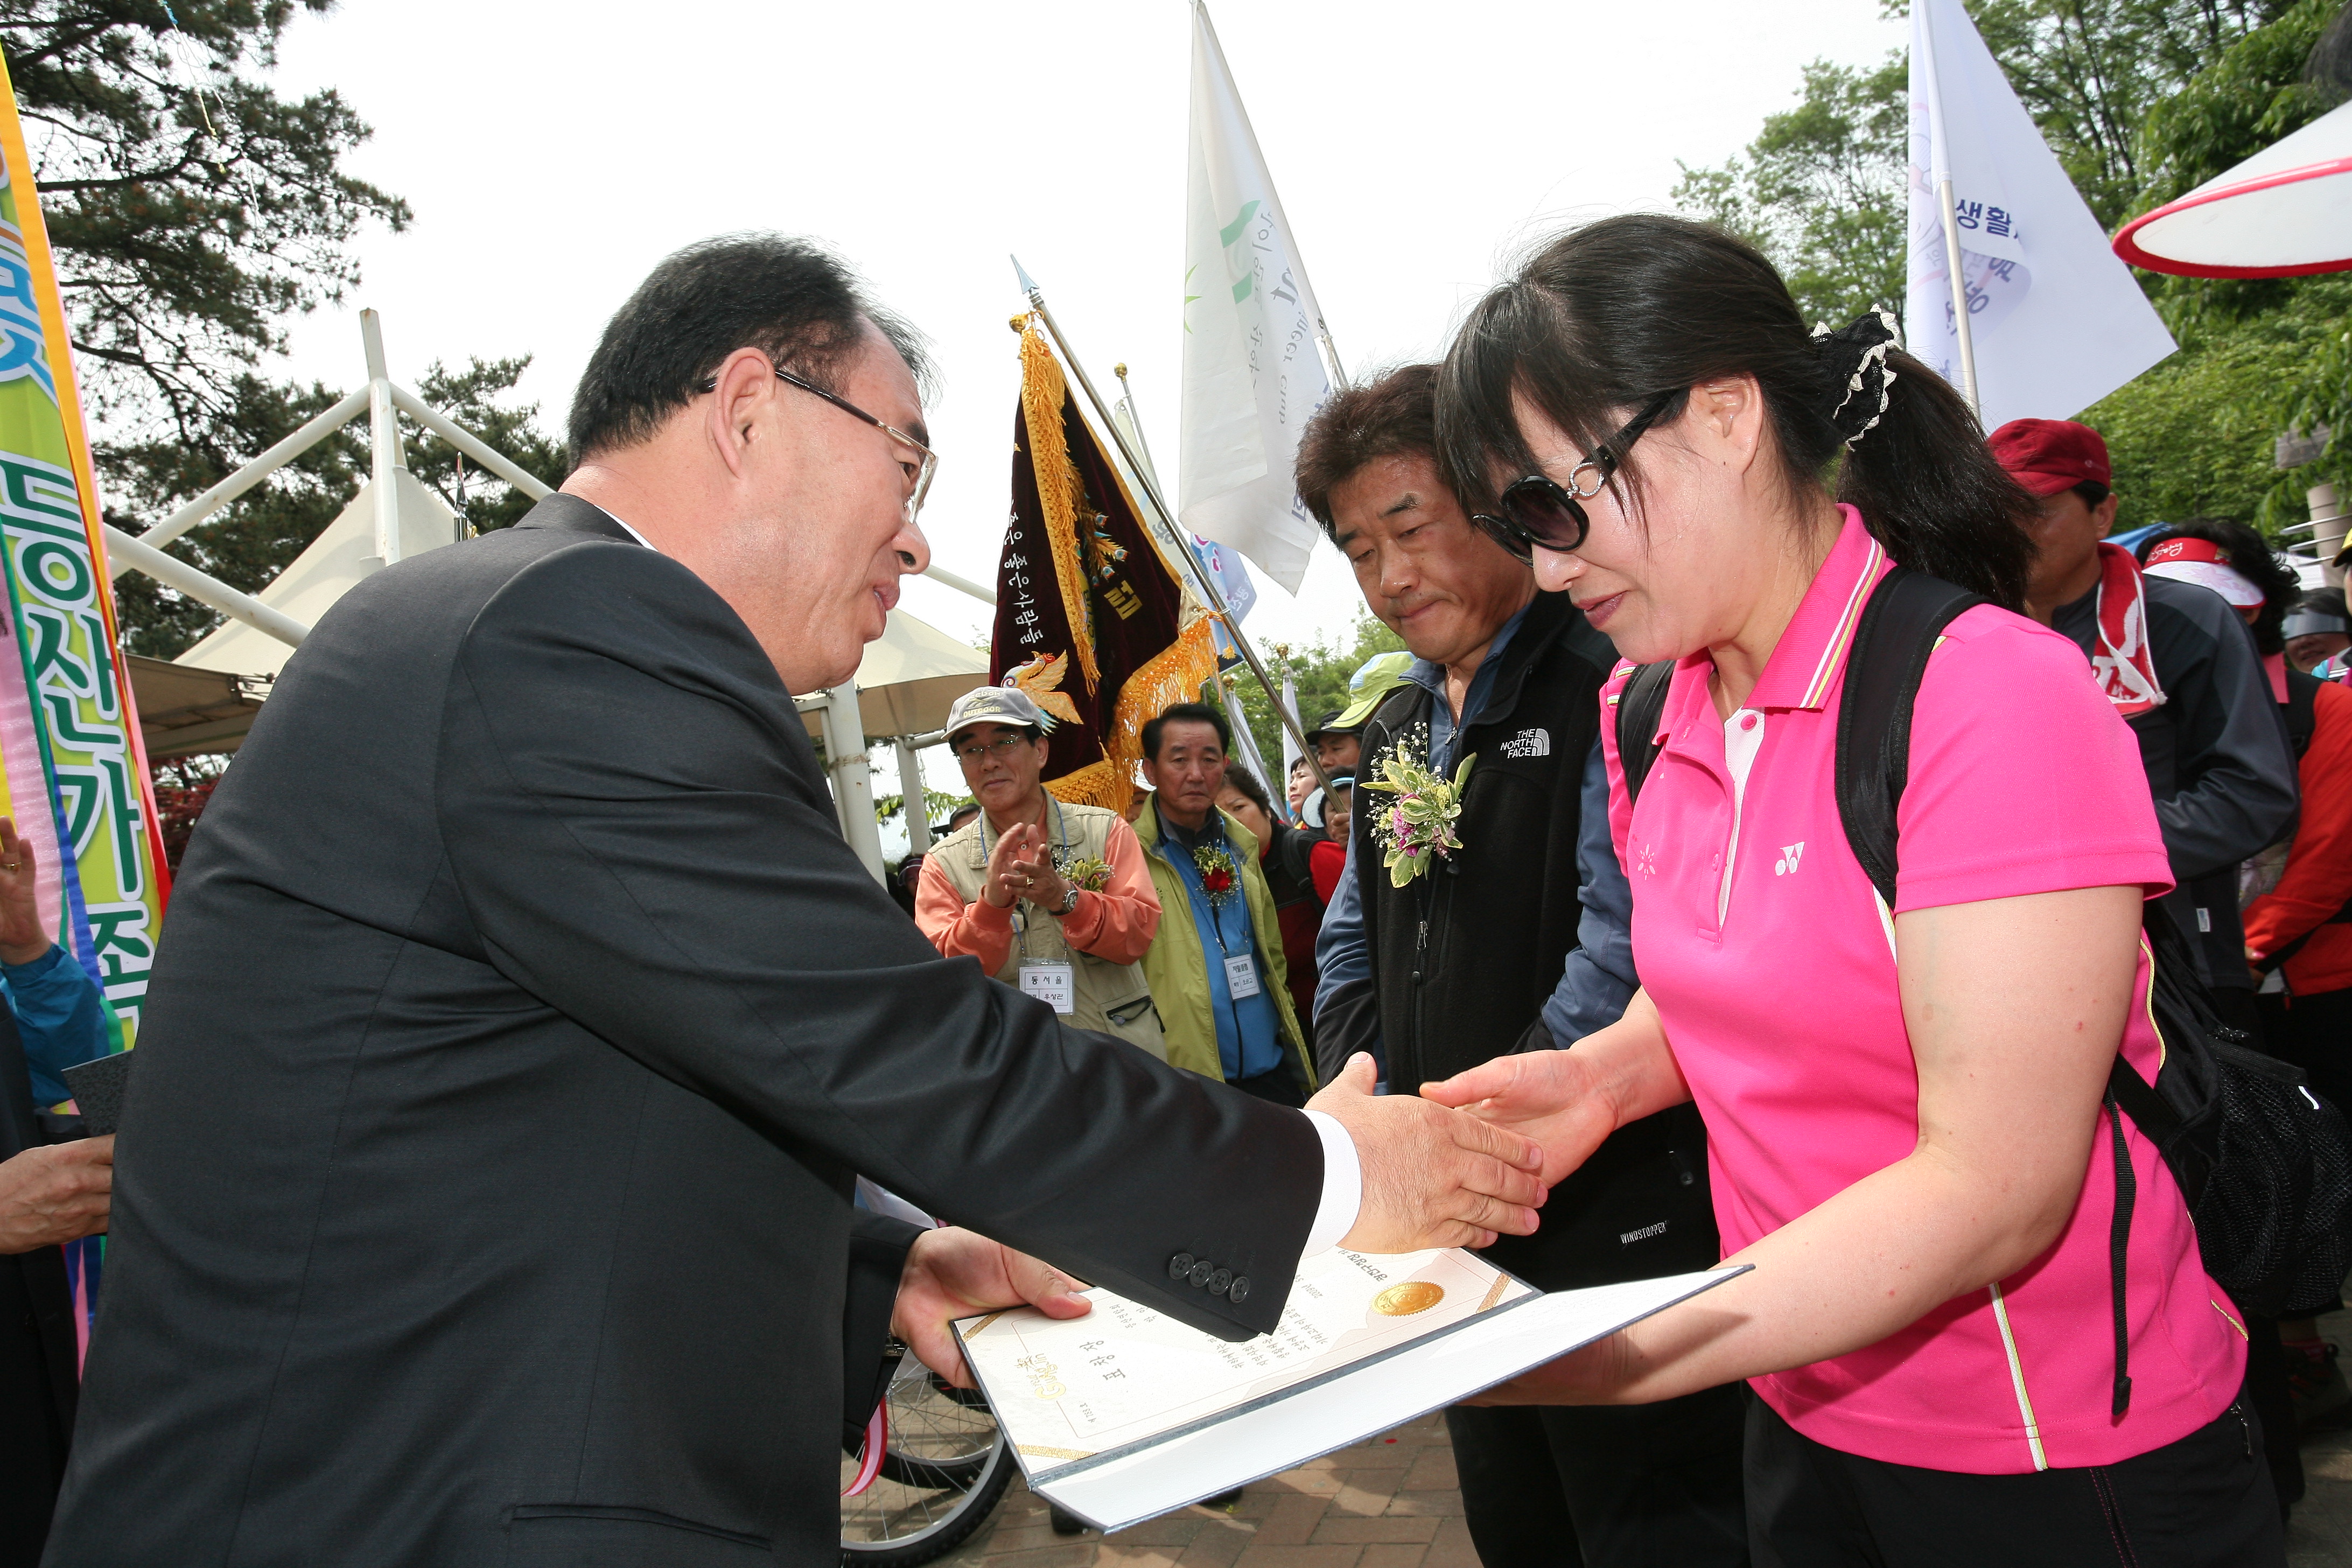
point(1904, 1107)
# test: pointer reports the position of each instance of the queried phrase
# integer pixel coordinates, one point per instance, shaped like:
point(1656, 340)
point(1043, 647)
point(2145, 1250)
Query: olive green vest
point(1111, 998)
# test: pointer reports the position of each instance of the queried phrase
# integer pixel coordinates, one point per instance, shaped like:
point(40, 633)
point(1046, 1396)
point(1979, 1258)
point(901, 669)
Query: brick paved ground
point(1388, 1503)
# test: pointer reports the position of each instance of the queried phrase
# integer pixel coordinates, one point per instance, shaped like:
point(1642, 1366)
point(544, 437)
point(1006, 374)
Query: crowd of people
point(1512, 541)
point(484, 1191)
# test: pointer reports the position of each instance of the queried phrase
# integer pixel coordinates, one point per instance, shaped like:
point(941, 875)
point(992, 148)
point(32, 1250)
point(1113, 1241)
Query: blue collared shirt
point(1249, 1030)
point(59, 1017)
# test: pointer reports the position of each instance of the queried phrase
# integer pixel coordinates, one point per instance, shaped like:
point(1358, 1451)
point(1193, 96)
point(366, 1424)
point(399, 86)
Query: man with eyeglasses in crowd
point(1050, 897)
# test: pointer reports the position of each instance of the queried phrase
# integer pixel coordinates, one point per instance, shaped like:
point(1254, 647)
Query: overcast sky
point(553, 155)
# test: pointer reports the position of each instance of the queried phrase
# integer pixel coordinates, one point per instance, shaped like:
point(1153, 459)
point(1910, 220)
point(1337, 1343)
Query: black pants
point(1281, 1086)
point(1638, 1486)
point(2202, 1502)
point(32, 1439)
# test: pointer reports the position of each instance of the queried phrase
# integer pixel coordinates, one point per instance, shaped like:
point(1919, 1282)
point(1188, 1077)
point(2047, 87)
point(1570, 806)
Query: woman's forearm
point(1871, 1261)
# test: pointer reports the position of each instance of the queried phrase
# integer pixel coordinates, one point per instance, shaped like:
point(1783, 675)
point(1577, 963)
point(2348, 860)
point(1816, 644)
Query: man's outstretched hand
point(1553, 1097)
point(1433, 1177)
point(954, 1273)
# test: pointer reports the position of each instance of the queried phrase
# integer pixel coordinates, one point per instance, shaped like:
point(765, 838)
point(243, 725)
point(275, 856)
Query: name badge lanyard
point(1240, 967)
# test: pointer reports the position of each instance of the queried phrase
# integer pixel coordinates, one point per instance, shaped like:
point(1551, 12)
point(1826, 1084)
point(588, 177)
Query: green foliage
point(2091, 71)
point(939, 805)
point(2141, 100)
point(1821, 189)
point(188, 224)
point(1319, 675)
point(249, 541)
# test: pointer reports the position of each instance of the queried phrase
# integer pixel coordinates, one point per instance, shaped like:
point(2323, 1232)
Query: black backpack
point(2265, 1165)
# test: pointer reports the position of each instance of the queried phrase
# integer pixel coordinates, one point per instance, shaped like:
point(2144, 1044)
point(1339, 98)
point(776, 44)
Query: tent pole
point(252, 474)
point(384, 441)
point(1188, 564)
point(201, 586)
point(910, 793)
point(853, 792)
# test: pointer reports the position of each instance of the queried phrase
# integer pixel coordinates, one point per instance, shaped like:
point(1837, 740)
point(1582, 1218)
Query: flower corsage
point(1219, 876)
point(1417, 830)
point(1093, 876)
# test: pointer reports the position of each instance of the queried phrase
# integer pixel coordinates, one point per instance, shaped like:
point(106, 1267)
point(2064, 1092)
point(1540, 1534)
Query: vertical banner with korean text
point(74, 765)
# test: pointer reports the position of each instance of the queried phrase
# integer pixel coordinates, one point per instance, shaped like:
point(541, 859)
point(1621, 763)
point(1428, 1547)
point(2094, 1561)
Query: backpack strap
point(1640, 706)
point(1900, 627)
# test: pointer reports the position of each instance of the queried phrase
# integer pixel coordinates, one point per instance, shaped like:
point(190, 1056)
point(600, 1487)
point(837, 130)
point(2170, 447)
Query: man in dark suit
point(522, 1019)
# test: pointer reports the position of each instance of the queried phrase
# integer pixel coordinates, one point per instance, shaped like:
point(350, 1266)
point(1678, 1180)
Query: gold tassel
point(1060, 490)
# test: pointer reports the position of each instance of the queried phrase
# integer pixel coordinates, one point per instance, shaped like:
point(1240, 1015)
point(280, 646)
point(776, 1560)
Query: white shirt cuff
point(1343, 1185)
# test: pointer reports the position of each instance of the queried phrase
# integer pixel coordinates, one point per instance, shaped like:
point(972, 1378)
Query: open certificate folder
point(1126, 1414)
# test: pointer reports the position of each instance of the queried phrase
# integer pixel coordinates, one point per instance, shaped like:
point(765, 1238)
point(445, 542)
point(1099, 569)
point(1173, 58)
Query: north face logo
point(1534, 742)
point(1786, 866)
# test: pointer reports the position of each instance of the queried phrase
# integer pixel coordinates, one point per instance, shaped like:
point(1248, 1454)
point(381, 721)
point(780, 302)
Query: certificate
point(1125, 1413)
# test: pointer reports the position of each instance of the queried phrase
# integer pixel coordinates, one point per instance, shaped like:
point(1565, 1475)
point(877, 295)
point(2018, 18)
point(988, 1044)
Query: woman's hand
point(1571, 1100)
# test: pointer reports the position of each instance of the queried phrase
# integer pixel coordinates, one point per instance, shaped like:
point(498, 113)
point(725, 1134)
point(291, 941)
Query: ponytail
point(1608, 315)
point(1930, 490)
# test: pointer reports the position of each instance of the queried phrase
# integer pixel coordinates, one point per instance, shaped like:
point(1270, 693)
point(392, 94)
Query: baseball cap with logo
point(2047, 455)
point(996, 705)
point(2207, 564)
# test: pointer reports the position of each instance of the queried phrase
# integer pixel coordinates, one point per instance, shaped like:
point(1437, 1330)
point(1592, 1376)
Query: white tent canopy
point(333, 567)
point(911, 676)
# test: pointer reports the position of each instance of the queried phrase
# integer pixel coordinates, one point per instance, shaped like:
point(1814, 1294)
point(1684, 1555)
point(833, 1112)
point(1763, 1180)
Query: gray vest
point(1110, 998)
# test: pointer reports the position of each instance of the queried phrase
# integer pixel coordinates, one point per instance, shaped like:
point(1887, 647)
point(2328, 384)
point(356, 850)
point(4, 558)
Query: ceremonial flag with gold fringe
point(1091, 622)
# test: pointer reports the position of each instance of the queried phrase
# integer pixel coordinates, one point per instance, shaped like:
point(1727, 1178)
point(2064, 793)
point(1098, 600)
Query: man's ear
point(746, 385)
point(1045, 751)
point(2104, 515)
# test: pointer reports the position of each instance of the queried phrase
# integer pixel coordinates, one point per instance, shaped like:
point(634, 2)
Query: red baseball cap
point(2047, 455)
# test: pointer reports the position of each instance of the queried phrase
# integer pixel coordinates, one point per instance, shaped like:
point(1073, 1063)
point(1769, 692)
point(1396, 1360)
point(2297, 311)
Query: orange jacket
point(1117, 923)
point(2317, 880)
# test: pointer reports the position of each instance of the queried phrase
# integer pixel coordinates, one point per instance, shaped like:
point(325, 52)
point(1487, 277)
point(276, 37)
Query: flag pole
point(1960, 295)
point(1190, 565)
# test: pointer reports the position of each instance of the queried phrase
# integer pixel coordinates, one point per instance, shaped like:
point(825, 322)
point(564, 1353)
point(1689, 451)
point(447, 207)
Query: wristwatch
point(1069, 900)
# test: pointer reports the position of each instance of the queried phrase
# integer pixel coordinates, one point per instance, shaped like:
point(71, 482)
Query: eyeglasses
point(973, 751)
point(1539, 510)
point(920, 472)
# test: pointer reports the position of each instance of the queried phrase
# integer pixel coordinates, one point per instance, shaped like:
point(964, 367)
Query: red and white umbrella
point(2283, 212)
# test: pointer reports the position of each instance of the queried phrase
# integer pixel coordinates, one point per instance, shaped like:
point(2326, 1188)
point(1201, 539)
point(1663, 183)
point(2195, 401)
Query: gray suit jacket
point(520, 1019)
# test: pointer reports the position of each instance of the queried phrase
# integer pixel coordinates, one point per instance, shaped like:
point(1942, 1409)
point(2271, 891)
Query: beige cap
point(996, 705)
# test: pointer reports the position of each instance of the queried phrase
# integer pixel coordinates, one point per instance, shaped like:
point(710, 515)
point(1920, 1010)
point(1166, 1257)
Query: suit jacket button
point(1239, 1292)
point(1201, 1272)
point(1221, 1282)
point(1180, 1265)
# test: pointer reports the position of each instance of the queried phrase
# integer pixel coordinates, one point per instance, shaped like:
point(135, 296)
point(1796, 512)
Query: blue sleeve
point(1599, 979)
point(1341, 957)
point(59, 1015)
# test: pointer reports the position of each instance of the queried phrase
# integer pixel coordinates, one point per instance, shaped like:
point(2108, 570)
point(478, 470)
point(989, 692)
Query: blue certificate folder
point(1125, 1415)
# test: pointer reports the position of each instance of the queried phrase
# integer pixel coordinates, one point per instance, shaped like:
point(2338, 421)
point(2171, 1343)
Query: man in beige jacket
point(1053, 897)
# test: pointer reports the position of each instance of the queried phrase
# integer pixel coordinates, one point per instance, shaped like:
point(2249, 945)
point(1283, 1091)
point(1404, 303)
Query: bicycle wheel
point(944, 1467)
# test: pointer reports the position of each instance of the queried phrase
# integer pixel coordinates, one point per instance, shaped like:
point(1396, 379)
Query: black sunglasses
point(1540, 511)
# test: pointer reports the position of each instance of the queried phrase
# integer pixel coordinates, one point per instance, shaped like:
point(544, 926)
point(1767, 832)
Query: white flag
point(2055, 317)
point(1252, 373)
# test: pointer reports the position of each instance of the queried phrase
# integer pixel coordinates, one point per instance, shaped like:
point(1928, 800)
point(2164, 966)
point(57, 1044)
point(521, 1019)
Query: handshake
point(1433, 1176)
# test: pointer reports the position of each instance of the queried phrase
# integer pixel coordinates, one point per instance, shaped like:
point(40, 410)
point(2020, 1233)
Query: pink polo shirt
point(1761, 942)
